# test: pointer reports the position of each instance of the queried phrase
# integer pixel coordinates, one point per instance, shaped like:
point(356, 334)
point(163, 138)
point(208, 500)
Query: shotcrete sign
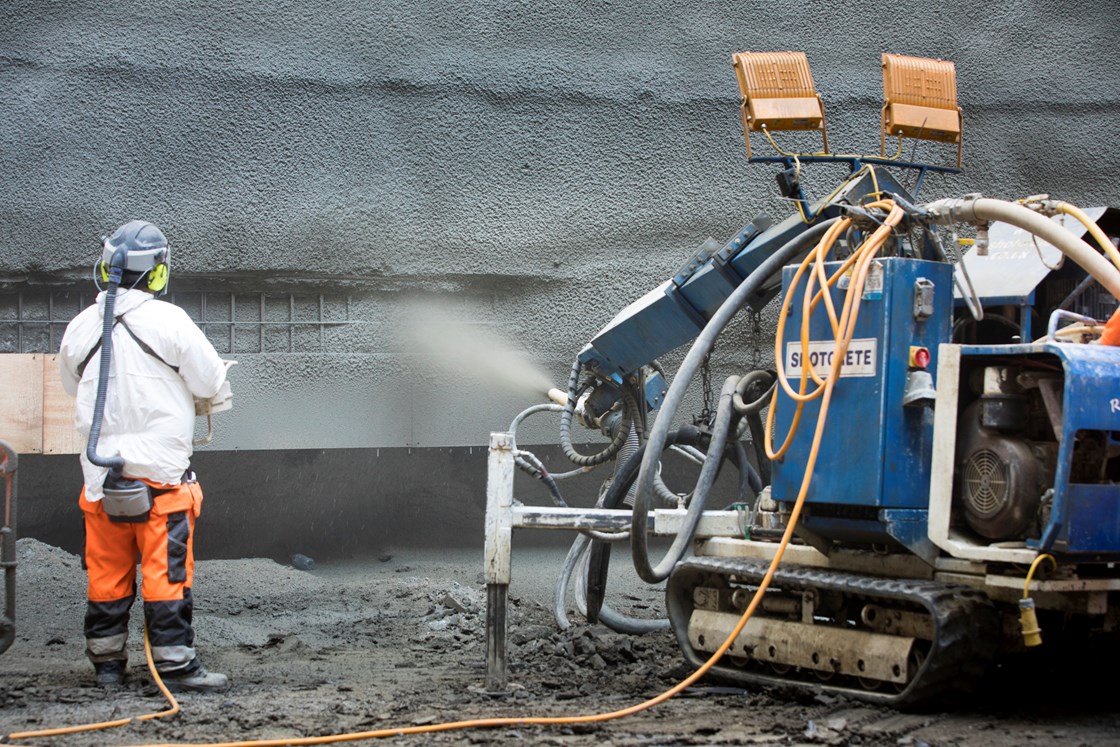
point(859, 360)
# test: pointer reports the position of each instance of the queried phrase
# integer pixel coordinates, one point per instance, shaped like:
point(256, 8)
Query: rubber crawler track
point(966, 625)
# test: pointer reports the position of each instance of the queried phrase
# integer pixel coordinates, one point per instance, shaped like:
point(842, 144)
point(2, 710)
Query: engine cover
point(1000, 480)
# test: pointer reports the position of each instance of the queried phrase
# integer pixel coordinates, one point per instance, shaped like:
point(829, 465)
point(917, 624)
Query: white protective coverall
point(149, 414)
point(149, 420)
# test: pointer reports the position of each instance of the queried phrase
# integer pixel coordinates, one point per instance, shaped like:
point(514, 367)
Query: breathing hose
point(114, 463)
point(656, 441)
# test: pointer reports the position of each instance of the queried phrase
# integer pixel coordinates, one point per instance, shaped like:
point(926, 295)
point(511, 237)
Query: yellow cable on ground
point(846, 327)
point(174, 709)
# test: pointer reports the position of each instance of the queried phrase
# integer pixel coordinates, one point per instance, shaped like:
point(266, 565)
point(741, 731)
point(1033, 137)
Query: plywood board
point(21, 402)
point(59, 434)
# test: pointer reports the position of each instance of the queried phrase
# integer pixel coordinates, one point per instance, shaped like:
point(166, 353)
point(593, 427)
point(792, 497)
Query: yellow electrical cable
point(174, 709)
point(817, 254)
point(1034, 567)
point(848, 323)
point(1094, 230)
point(800, 397)
point(797, 173)
point(843, 332)
point(823, 294)
point(766, 131)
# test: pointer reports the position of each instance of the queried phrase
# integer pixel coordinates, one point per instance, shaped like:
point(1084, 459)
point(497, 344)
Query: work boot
point(198, 681)
point(109, 673)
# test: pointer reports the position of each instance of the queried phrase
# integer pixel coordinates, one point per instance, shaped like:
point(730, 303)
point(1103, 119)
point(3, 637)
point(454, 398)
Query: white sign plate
point(860, 360)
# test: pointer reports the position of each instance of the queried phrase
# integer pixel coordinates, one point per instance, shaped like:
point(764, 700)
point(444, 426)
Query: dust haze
point(442, 339)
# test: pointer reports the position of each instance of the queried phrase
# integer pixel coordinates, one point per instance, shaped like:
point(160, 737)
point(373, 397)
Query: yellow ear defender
point(157, 277)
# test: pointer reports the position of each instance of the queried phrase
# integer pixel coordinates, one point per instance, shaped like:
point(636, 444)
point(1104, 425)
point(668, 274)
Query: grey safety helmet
point(147, 254)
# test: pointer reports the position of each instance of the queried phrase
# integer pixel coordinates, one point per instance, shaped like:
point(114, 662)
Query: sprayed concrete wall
point(331, 174)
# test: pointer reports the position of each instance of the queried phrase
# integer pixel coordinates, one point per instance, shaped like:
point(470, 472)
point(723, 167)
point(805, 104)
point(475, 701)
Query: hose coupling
point(1041, 204)
point(954, 210)
point(982, 243)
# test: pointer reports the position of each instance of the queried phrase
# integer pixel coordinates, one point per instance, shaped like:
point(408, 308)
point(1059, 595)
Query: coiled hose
point(629, 415)
point(656, 442)
point(758, 385)
point(599, 553)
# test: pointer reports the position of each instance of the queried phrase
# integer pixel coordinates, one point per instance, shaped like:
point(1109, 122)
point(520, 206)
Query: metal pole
point(8, 546)
point(499, 532)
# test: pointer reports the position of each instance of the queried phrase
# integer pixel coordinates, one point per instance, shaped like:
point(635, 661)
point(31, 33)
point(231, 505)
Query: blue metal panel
point(675, 312)
point(655, 322)
point(1094, 520)
point(875, 452)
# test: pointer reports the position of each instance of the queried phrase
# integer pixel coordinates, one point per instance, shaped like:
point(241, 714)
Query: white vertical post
point(499, 532)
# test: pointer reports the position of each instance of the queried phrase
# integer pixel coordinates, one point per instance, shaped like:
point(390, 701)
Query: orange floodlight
point(920, 101)
point(778, 94)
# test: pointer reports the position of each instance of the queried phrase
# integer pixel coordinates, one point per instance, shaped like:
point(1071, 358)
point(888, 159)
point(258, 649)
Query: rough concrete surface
point(540, 165)
point(335, 176)
point(398, 642)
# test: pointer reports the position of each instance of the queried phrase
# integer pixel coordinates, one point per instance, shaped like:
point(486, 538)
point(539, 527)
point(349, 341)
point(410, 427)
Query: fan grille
point(985, 481)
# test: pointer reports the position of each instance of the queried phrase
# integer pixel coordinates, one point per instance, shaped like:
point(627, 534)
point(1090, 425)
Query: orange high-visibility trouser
point(165, 544)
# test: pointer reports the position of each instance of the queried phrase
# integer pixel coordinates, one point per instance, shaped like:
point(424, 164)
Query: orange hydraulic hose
point(174, 709)
point(862, 258)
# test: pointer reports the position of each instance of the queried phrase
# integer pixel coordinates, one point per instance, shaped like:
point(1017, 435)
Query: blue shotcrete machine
point(934, 482)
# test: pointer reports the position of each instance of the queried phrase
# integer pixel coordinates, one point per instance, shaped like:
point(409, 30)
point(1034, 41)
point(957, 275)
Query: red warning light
point(919, 357)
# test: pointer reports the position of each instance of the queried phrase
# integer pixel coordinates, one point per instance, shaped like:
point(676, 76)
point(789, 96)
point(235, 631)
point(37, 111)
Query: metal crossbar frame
point(503, 515)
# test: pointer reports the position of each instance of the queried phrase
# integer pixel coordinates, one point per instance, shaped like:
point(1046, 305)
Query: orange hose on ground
point(174, 709)
point(846, 325)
